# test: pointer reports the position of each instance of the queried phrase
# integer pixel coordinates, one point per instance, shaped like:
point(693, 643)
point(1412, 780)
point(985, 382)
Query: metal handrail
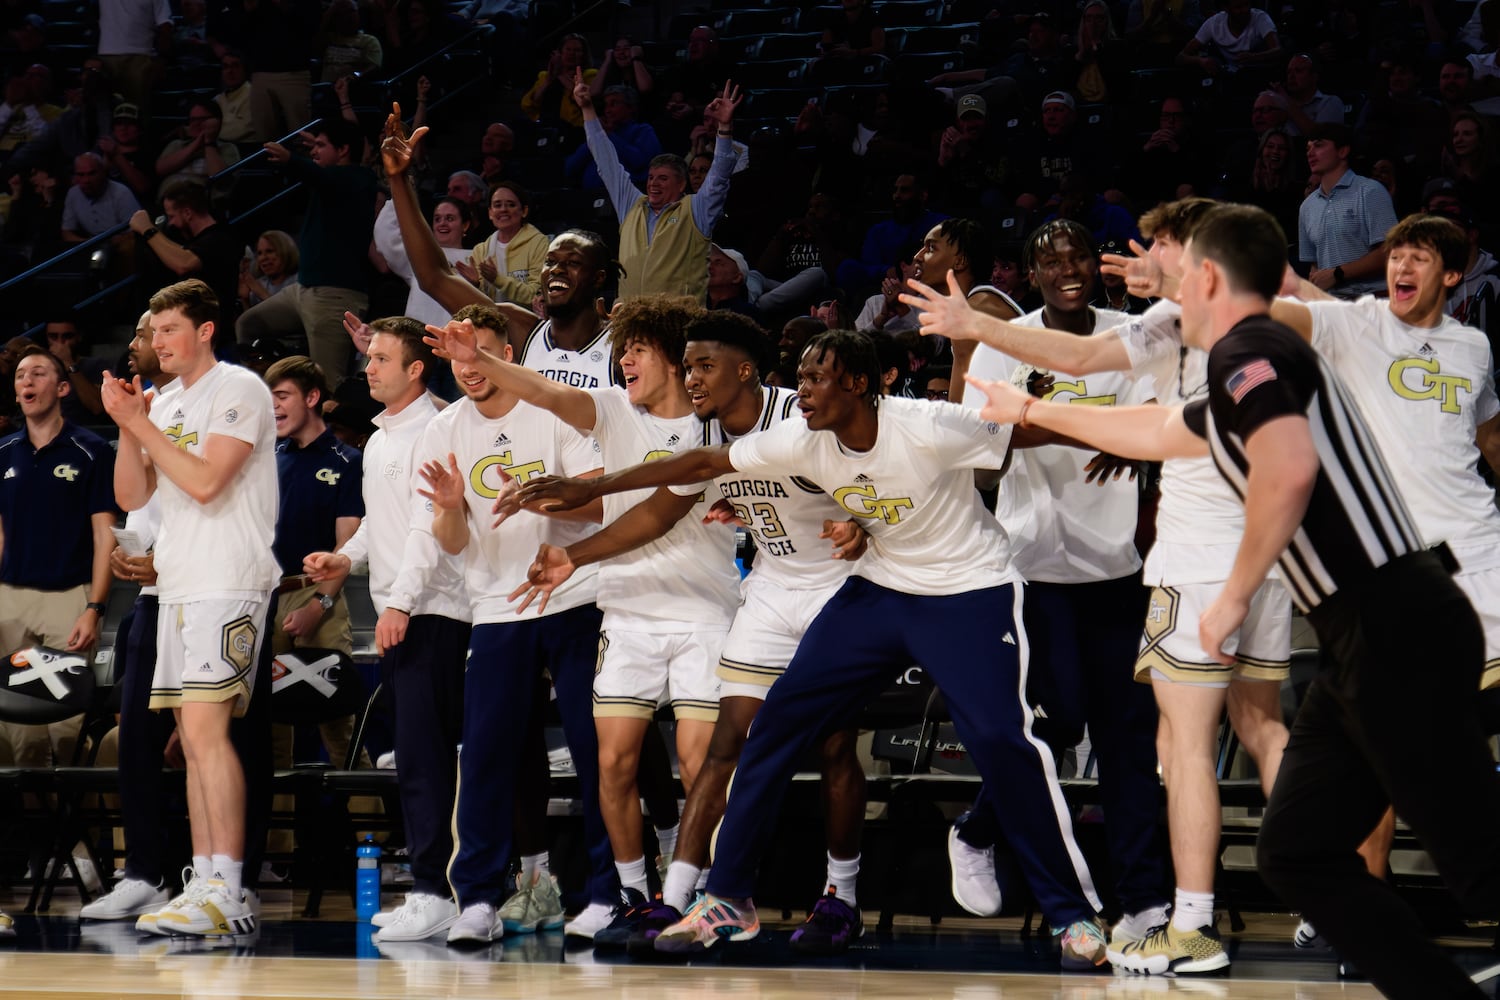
point(109, 234)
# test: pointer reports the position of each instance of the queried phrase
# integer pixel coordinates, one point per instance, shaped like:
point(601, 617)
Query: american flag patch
point(1241, 382)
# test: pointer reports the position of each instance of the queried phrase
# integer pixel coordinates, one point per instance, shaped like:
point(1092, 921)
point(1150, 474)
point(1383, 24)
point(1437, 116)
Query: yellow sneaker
point(1169, 950)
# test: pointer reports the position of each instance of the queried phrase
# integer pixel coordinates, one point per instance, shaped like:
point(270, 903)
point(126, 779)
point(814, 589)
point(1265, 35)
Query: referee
point(1321, 504)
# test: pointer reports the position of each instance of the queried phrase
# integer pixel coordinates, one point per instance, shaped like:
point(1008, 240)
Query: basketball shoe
point(131, 897)
point(707, 921)
point(829, 928)
point(536, 906)
point(210, 912)
point(1083, 945)
point(975, 886)
point(1169, 950)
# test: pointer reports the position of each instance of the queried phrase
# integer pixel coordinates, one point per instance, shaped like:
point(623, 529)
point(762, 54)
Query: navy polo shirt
point(319, 485)
point(47, 496)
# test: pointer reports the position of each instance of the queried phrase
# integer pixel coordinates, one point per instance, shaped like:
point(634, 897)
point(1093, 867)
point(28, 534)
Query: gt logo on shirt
point(521, 473)
point(181, 440)
point(1079, 391)
point(327, 476)
point(1431, 384)
point(862, 502)
point(65, 471)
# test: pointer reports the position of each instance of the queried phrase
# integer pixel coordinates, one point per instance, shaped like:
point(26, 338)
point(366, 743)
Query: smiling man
point(664, 232)
point(209, 455)
point(905, 470)
point(1341, 224)
point(1074, 544)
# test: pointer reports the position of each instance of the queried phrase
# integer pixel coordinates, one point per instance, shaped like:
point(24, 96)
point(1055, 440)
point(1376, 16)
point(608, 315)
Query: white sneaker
point(387, 917)
point(419, 918)
point(975, 886)
point(477, 924)
point(191, 886)
point(590, 921)
point(209, 913)
point(536, 906)
point(386, 761)
point(1307, 936)
point(130, 897)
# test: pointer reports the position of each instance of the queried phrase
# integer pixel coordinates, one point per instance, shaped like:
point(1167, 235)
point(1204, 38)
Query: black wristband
point(96, 607)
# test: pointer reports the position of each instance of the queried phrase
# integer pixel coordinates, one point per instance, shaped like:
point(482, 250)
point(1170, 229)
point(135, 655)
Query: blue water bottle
point(367, 879)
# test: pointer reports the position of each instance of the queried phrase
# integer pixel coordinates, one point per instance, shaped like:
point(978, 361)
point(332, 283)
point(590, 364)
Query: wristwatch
point(324, 601)
point(152, 231)
point(1338, 275)
point(95, 607)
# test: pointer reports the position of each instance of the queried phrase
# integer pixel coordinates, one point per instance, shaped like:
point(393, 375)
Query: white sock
point(227, 870)
point(203, 866)
point(666, 839)
point(633, 874)
point(1192, 910)
point(842, 876)
point(531, 864)
point(703, 880)
point(678, 889)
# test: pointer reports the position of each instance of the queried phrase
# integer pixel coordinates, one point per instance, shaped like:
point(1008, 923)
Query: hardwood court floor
point(56, 957)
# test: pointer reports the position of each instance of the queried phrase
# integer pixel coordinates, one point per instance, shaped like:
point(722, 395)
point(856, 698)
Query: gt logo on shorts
point(239, 643)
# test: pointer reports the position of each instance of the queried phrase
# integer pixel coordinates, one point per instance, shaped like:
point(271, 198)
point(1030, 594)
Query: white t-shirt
point(419, 305)
point(1221, 43)
point(589, 368)
point(1063, 529)
point(784, 514)
point(1199, 521)
point(913, 492)
point(526, 443)
point(219, 549)
point(1423, 391)
point(128, 27)
point(408, 569)
point(686, 579)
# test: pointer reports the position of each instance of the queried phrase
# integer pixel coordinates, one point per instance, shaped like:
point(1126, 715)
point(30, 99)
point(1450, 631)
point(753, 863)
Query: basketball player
point(961, 248)
point(1074, 544)
point(1198, 527)
point(210, 454)
point(666, 605)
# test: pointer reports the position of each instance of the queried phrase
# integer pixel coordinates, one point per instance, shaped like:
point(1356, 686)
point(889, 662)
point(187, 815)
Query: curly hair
point(658, 321)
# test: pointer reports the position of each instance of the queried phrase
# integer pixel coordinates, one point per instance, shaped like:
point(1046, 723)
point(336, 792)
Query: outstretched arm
point(1149, 432)
point(953, 317)
point(685, 468)
point(573, 406)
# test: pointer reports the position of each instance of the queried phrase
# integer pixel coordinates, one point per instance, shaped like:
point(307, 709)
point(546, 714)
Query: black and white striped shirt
point(1356, 520)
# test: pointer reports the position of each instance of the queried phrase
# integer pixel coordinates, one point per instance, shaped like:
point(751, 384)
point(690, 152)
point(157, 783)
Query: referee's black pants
point(1391, 719)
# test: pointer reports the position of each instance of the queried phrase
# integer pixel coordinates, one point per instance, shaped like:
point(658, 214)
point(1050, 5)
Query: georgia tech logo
point(862, 502)
point(658, 455)
point(237, 644)
point(65, 471)
point(1079, 393)
point(521, 473)
point(181, 440)
point(328, 476)
point(1431, 384)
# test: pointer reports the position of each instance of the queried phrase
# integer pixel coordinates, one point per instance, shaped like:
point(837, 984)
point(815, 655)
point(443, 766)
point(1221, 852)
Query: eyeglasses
point(937, 394)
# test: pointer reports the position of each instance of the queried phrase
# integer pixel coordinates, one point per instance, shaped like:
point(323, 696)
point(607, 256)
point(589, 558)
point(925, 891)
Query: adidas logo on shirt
point(562, 359)
point(1008, 639)
point(177, 415)
point(862, 478)
point(672, 441)
point(10, 473)
point(1426, 349)
point(501, 441)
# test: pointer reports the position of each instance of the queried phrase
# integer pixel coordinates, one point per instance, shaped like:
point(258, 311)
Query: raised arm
point(708, 203)
point(616, 179)
point(430, 266)
point(1153, 433)
point(573, 406)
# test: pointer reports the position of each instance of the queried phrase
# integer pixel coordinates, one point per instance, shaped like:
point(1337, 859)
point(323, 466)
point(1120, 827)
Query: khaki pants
point(38, 618)
point(317, 312)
